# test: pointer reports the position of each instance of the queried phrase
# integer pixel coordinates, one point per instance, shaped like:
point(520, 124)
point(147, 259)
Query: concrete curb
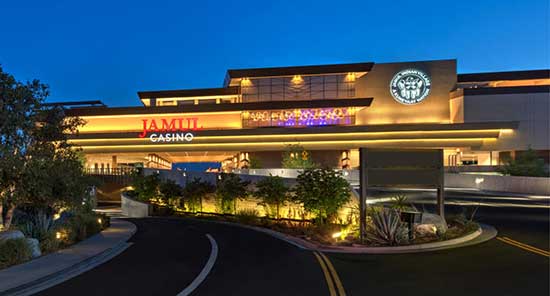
point(482, 234)
point(85, 262)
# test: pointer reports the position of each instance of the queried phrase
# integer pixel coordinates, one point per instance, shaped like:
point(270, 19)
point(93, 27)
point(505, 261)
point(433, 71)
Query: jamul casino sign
point(170, 130)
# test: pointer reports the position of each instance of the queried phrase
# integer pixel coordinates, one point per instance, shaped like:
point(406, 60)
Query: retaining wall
point(133, 208)
point(513, 184)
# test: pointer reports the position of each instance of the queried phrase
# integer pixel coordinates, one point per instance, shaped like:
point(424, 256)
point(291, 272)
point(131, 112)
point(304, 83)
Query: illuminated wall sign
point(299, 117)
point(170, 130)
point(410, 86)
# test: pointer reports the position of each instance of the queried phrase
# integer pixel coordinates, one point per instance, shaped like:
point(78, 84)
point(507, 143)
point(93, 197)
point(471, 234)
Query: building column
point(114, 164)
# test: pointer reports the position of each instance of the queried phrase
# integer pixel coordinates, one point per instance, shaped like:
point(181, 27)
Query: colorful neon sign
point(300, 117)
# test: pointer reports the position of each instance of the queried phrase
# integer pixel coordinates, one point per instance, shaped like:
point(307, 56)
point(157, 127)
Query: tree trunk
point(1, 215)
point(9, 216)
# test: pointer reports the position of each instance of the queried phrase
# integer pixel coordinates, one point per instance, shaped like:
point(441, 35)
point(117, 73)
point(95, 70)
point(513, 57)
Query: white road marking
point(205, 270)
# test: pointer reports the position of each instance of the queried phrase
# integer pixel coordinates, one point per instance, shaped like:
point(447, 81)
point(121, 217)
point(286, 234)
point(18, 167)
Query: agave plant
point(38, 226)
point(386, 228)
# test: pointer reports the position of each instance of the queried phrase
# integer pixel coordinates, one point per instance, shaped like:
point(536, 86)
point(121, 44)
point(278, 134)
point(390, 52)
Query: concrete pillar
point(114, 164)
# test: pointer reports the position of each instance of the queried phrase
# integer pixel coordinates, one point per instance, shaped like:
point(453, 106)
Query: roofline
point(506, 90)
point(94, 103)
point(297, 70)
point(270, 105)
point(507, 75)
point(197, 92)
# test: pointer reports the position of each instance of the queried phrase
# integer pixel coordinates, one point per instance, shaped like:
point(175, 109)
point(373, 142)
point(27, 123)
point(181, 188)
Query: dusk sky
point(109, 50)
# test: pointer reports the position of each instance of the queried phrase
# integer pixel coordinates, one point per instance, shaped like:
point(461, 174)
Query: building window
point(323, 87)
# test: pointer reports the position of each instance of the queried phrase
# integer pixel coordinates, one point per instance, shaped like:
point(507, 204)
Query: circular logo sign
point(410, 86)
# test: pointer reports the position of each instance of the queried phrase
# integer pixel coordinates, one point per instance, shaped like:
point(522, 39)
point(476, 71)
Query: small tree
point(38, 165)
point(526, 164)
point(19, 103)
point(255, 163)
point(296, 157)
point(170, 191)
point(322, 192)
point(229, 188)
point(195, 191)
point(273, 192)
point(145, 187)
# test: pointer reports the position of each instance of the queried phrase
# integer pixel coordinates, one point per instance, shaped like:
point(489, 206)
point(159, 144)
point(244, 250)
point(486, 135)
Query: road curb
point(47, 281)
point(482, 234)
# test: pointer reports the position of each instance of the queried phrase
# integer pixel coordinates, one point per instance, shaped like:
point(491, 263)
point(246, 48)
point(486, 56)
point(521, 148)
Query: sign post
point(404, 168)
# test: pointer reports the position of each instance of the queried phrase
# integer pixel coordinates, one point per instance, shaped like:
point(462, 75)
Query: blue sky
point(109, 50)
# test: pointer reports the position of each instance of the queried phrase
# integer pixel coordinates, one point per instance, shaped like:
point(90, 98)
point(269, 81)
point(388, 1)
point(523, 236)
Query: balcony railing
point(110, 171)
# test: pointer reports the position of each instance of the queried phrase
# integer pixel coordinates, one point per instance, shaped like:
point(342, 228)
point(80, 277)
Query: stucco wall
point(386, 110)
point(532, 110)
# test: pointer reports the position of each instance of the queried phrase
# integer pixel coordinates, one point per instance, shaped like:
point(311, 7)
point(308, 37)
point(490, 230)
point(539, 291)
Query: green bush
point(296, 157)
point(162, 210)
point(14, 251)
point(82, 226)
point(322, 192)
point(229, 188)
point(527, 163)
point(273, 193)
point(194, 192)
point(50, 243)
point(248, 216)
point(145, 187)
point(170, 191)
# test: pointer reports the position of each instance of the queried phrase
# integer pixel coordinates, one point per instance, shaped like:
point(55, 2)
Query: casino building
point(331, 111)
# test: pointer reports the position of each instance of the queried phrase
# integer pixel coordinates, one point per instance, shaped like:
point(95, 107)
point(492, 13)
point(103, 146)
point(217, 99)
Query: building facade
point(330, 111)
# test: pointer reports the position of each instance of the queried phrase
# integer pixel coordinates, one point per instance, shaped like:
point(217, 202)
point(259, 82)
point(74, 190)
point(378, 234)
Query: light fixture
point(297, 79)
point(246, 82)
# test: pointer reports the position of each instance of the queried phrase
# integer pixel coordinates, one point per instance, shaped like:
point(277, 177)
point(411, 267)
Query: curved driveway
point(168, 254)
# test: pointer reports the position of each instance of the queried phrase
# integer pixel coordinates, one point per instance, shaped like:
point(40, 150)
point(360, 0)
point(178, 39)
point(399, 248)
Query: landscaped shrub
point(145, 187)
point(322, 192)
point(248, 216)
point(273, 194)
point(39, 226)
point(50, 243)
point(170, 192)
point(162, 210)
point(194, 193)
point(14, 251)
point(399, 202)
point(386, 228)
point(296, 157)
point(229, 188)
point(82, 226)
point(527, 163)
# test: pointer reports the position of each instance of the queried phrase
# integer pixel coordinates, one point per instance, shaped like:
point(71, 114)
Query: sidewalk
point(46, 271)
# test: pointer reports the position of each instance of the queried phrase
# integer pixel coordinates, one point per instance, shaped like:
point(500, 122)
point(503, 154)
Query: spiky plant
point(39, 226)
point(386, 228)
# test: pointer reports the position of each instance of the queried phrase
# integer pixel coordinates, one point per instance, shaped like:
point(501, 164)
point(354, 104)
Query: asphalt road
point(491, 268)
point(168, 254)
